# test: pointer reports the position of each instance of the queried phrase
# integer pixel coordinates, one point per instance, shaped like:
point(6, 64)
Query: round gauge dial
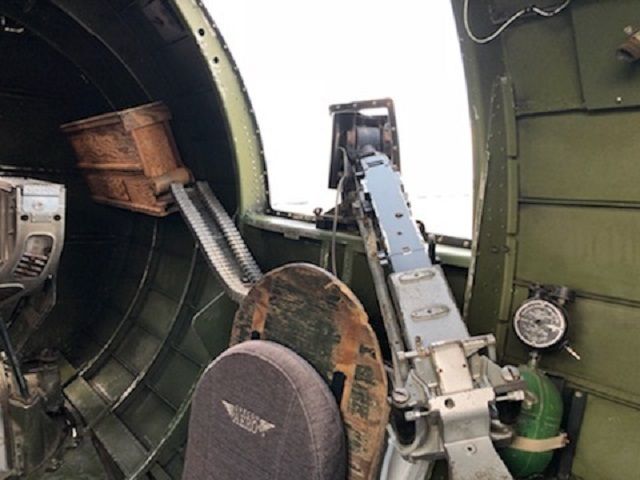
point(539, 324)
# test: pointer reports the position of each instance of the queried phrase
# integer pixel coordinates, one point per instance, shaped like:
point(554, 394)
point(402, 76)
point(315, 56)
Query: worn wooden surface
point(312, 312)
point(121, 153)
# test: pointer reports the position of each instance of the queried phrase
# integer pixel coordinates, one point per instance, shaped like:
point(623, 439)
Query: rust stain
point(312, 312)
point(261, 310)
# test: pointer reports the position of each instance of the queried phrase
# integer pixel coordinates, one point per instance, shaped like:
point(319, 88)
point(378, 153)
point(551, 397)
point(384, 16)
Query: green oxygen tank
point(539, 420)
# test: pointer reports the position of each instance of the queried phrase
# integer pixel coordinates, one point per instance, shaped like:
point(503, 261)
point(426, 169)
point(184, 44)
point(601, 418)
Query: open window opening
point(306, 57)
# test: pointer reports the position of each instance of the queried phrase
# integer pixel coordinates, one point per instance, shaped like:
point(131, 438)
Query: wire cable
point(537, 10)
point(334, 227)
point(14, 360)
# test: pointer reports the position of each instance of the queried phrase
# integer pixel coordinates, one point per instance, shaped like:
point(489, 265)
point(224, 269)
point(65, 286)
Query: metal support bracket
point(465, 427)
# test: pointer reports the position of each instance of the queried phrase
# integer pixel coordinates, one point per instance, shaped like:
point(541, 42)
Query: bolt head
point(510, 373)
point(400, 396)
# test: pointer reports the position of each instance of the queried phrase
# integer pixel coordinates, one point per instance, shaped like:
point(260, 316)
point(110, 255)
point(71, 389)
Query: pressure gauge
point(540, 324)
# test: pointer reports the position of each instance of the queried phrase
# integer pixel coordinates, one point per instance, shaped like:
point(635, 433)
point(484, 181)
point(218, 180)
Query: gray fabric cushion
point(262, 412)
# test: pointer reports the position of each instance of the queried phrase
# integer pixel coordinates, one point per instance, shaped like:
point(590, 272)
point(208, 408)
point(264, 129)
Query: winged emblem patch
point(247, 420)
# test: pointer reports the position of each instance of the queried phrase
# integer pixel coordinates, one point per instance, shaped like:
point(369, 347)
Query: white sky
point(298, 57)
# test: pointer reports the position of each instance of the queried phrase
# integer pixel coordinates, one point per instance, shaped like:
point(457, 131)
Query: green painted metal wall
point(558, 202)
point(139, 313)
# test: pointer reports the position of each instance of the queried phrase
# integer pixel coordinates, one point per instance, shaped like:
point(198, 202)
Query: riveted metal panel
point(157, 314)
point(171, 273)
point(112, 380)
point(541, 59)
point(580, 156)
point(490, 275)
point(607, 448)
point(594, 325)
point(123, 447)
point(149, 406)
point(599, 29)
point(137, 349)
point(176, 378)
point(577, 211)
point(85, 399)
point(589, 249)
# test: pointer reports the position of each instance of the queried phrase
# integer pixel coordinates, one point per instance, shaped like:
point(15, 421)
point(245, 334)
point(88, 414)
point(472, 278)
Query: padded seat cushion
point(261, 411)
